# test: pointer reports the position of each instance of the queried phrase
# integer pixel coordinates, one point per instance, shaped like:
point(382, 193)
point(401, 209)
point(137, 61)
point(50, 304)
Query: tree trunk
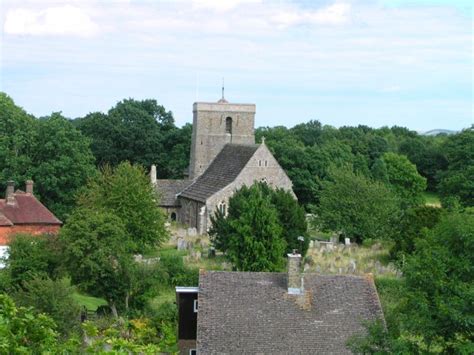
point(113, 309)
point(126, 301)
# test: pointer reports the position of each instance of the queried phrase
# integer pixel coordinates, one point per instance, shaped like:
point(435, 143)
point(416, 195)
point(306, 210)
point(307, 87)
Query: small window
point(173, 216)
point(259, 163)
point(266, 163)
point(192, 352)
point(228, 125)
point(195, 306)
point(223, 208)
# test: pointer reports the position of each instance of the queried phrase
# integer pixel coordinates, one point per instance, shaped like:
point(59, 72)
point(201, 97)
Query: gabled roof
point(223, 170)
point(251, 312)
point(26, 209)
point(168, 189)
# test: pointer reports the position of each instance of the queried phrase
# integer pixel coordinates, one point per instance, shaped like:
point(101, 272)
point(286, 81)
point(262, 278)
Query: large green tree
point(64, 163)
point(95, 253)
point(126, 192)
point(404, 179)
point(357, 206)
point(250, 234)
point(458, 178)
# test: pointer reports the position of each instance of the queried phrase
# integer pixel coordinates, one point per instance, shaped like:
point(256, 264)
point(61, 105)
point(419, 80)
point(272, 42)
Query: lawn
point(91, 303)
point(431, 199)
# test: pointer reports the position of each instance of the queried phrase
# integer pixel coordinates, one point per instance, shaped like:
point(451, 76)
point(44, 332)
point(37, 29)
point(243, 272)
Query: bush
point(178, 273)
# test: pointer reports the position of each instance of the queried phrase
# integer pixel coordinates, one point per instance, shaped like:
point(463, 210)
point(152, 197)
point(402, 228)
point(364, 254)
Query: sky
point(342, 62)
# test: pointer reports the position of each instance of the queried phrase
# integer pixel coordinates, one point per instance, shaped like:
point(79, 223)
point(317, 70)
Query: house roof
point(223, 170)
point(251, 312)
point(26, 209)
point(168, 189)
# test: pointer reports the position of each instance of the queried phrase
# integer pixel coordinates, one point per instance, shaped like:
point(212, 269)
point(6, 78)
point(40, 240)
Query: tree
point(32, 256)
point(439, 279)
point(63, 163)
point(96, 255)
point(52, 297)
point(126, 192)
point(404, 179)
point(458, 178)
point(357, 206)
point(22, 331)
point(253, 235)
point(17, 132)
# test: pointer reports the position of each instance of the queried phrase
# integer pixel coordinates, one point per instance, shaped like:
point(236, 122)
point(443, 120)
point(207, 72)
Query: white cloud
point(335, 14)
point(221, 5)
point(62, 20)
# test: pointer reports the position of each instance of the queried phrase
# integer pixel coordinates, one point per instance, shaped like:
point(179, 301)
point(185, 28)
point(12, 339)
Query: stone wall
point(209, 131)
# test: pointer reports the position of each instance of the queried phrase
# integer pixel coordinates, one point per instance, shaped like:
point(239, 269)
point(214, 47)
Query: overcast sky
point(343, 62)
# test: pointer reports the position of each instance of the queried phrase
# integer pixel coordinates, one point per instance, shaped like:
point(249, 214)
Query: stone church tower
point(214, 125)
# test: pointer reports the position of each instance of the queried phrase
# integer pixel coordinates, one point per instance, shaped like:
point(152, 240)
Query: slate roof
point(26, 210)
point(168, 189)
point(223, 170)
point(251, 313)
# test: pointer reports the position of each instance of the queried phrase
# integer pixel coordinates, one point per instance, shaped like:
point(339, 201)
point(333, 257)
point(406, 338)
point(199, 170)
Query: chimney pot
point(29, 187)
point(295, 279)
point(9, 197)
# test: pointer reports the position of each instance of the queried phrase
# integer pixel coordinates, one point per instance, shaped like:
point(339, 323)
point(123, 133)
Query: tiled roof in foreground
point(223, 170)
point(252, 313)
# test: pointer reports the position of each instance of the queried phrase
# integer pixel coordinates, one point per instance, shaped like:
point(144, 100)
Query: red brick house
point(21, 212)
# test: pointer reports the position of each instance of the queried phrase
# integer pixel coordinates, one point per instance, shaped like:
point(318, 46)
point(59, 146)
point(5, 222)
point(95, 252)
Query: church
point(224, 157)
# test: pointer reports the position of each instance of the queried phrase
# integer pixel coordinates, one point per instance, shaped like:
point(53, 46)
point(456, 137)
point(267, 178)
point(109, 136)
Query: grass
point(91, 303)
point(431, 199)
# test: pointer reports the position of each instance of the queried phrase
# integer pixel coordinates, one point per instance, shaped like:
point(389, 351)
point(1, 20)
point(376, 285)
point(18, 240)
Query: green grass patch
point(431, 199)
point(91, 303)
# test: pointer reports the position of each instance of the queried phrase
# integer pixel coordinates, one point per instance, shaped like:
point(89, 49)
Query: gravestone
point(347, 241)
point(182, 244)
point(192, 232)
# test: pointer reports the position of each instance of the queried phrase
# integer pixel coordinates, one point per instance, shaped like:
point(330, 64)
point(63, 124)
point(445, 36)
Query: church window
point(266, 163)
point(223, 208)
point(173, 216)
point(228, 125)
point(259, 163)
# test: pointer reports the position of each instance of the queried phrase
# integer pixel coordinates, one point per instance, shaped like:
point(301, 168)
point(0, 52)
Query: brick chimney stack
point(29, 187)
point(295, 278)
point(153, 174)
point(9, 197)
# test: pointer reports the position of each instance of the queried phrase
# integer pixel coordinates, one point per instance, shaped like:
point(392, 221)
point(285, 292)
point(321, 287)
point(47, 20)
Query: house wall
point(255, 170)
point(7, 232)
point(209, 131)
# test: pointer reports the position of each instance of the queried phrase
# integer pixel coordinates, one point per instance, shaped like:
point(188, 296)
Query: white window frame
point(195, 306)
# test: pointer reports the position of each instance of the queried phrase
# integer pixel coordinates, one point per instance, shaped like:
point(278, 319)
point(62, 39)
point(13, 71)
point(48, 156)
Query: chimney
point(29, 187)
point(153, 174)
point(9, 197)
point(295, 278)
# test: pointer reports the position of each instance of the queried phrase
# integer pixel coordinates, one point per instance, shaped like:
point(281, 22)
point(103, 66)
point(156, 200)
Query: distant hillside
point(435, 132)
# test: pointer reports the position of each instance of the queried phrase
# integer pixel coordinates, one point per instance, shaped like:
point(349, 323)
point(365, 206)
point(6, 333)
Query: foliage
point(253, 235)
point(95, 254)
point(50, 151)
point(458, 178)
point(439, 279)
point(357, 206)
point(21, 330)
point(32, 256)
point(178, 273)
point(415, 223)
point(126, 192)
point(52, 297)
point(404, 179)
point(66, 163)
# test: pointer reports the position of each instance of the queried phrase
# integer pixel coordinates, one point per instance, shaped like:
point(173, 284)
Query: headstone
point(182, 244)
point(192, 232)
point(334, 239)
point(352, 266)
point(211, 253)
point(306, 267)
point(311, 244)
point(196, 255)
point(318, 269)
point(138, 258)
point(347, 241)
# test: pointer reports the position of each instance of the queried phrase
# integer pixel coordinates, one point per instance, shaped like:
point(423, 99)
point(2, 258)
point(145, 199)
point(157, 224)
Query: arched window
point(228, 125)
point(173, 216)
point(223, 208)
